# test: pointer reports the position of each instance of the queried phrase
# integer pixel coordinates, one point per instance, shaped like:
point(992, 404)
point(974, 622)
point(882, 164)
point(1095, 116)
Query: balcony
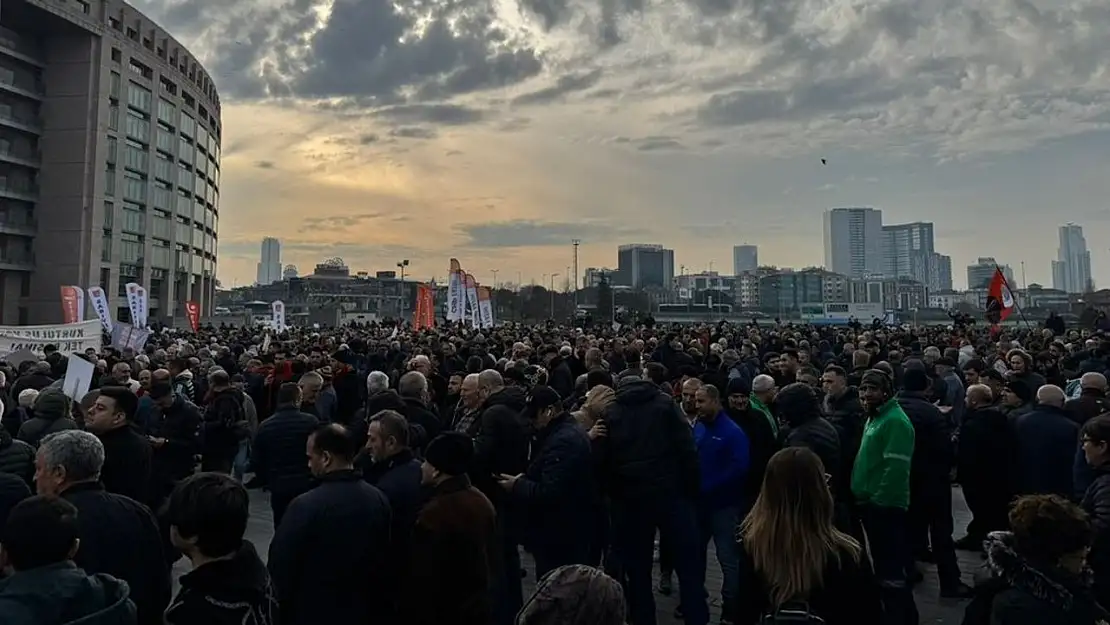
point(17, 261)
point(26, 123)
point(26, 87)
point(18, 156)
point(22, 48)
point(18, 224)
point(18, 190)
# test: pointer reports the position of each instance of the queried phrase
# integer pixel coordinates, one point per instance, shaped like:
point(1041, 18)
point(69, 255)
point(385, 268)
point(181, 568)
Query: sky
point(496, 131)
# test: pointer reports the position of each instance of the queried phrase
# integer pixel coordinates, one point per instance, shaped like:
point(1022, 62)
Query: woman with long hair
point(793, 560)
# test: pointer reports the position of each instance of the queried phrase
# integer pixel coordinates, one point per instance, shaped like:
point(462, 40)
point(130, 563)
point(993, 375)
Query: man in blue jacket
point(723, 456)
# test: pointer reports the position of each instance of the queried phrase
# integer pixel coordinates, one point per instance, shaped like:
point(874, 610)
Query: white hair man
point(763, 393)
point(118, 534)
point(376, 382)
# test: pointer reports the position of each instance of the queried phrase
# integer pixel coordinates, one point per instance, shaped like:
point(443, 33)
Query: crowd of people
point(406, 473)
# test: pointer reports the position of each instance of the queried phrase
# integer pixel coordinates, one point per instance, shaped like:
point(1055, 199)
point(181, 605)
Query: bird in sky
point(824, 162)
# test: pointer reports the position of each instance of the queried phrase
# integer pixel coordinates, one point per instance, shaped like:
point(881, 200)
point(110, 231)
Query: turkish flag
point(1000, 300)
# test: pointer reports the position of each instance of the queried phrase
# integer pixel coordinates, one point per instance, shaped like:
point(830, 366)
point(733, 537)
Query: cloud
point(529, 233)
point(264, 164)
point(564, 85)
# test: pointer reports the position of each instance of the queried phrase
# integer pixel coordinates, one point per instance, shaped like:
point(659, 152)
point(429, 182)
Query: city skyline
point(503, 137)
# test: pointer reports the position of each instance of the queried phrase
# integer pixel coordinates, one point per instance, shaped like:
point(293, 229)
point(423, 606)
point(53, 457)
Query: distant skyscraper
point(642, 265)
point(744, 258)
point(269, 267)
point(908, 250)
point(940, 273)
point(980, 274)
point(1071, 271)
point(854, 241)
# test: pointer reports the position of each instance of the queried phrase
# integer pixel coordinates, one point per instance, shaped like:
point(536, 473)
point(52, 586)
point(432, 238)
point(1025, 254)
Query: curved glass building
point(109, 160)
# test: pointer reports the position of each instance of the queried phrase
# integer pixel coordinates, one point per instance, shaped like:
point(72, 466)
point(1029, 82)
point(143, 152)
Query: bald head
point(763, 383)
point(979, 395)
point(1050, 395)
point(1093, 381)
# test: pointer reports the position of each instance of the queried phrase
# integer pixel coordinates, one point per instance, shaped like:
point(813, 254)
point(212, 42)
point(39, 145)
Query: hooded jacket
point(881, 474)
point(16, 457)
point(502, 442)
point(650, 450)
point(62, 594)
point(236, 591)
point(50, 415)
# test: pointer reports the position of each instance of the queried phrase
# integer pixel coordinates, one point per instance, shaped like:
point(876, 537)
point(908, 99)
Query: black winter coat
point(554, 491)
point(418, 414)
point(560, 378)
point(12, 491)
point(127, 463)
point(986, 454)
point(1046, 441)
point(277, 456)
point(180, 425)
point(650, 449)
point(933, 451)
point(762, 444)
point(816, 433)
point(120, 537)
point(1096, 503)
point(1090, 404)
point(38, 427)
point(328, 558)
point(399, 478)
point(501, 445)
point(17, 457)
point(236, 591)
point(62, 594)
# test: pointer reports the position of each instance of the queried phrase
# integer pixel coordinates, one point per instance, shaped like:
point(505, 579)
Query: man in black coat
point(127, 454)
point(174, 433)
point(1046, 440)
point(1092, 400)
point(930, 513)
point(277, 456)
point(413, 389)
point(328, 558)
point(119, 536)
point(799, 407)
point(559, 376)
point(761, 438)
point(553, 492)
point(985, 466)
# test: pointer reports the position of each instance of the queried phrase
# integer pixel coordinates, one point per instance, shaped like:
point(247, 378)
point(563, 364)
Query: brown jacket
point(454, 551)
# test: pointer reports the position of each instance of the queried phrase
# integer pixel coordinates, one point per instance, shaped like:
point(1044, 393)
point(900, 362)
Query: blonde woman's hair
point(789, 533)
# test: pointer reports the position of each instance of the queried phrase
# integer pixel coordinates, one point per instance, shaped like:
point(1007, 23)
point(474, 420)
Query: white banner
point(69, 338)
point(472, 303)
point(125, 335)
point(100, 305)
point(485, 313)
point(133, 292)
point(455, 300)
point(277, 320)
point(144, 308)
point(80, 303)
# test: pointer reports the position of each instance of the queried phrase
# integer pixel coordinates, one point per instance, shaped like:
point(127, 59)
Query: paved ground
point(933, 609)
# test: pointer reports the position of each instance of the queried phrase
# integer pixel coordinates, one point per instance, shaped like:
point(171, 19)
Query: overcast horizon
point(496, 131)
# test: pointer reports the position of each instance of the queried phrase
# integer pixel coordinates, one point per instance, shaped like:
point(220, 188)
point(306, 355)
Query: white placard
point(79, 375)
point(68, 337)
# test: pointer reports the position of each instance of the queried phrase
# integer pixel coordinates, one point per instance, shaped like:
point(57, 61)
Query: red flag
point(192, 313)
point(1000, 300)
point(69, 305)
point(424, 315)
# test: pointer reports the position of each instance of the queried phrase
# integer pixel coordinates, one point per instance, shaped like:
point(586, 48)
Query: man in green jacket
point(763, 393)
point(881, 486)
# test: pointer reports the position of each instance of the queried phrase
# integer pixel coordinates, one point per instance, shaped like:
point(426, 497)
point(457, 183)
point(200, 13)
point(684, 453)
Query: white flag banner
point(455, 301)
point(80, 303)
point(69, 338)
point(144, 308)
point(278, 318)
point(133, 293)
point(472, 300)
point(485, 313)
point(100, 304)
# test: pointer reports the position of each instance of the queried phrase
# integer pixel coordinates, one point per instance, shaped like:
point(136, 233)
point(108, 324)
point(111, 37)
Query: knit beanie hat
point(51, 404)
point(738, 386)
point(915, 380)
point(878, 379)
point(450, 453)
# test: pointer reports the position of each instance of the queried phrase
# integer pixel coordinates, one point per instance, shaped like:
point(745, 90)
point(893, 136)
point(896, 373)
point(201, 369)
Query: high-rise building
point(907, 250)
point(593, 275)
point(980, 274)
point(854, 241)
point(1071, 271)
point(642, 265)
point(744, 258)
point(269, 267)
point(109, 161)
point(940, 273)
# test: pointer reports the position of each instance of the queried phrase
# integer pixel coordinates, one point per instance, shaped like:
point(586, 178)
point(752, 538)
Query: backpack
point(792, 613)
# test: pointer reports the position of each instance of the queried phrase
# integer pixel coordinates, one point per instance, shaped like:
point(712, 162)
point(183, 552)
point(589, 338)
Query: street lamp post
point(401, 265)
point(551, 291)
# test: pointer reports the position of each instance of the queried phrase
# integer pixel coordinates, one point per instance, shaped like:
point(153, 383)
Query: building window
point(136, 157)
point(134, 187)
point(163, 167)
point(113, 116)
point(132, 218)
point(117, 56)
point(185, 151)
point(110, 181)
point(109, 215)
point(160, 254)
point(167, 112)
point(106, 248)
point(138, 97)
point(167, 140)
point(185, 178)
point(163, 196)
point(137, 127)
point(130, 251)
point(138, 68)
point(112, 147)
point(113, 85)
point(188, 125)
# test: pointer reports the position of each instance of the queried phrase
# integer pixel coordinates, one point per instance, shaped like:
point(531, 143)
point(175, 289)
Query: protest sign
point(69, 338)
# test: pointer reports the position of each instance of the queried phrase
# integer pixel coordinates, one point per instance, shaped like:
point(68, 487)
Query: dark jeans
point(666, 555)
point(508, 596)
point(989, 509)
point(930, 524)
point(279, 501)
point(891, 553)
point(634, 524)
